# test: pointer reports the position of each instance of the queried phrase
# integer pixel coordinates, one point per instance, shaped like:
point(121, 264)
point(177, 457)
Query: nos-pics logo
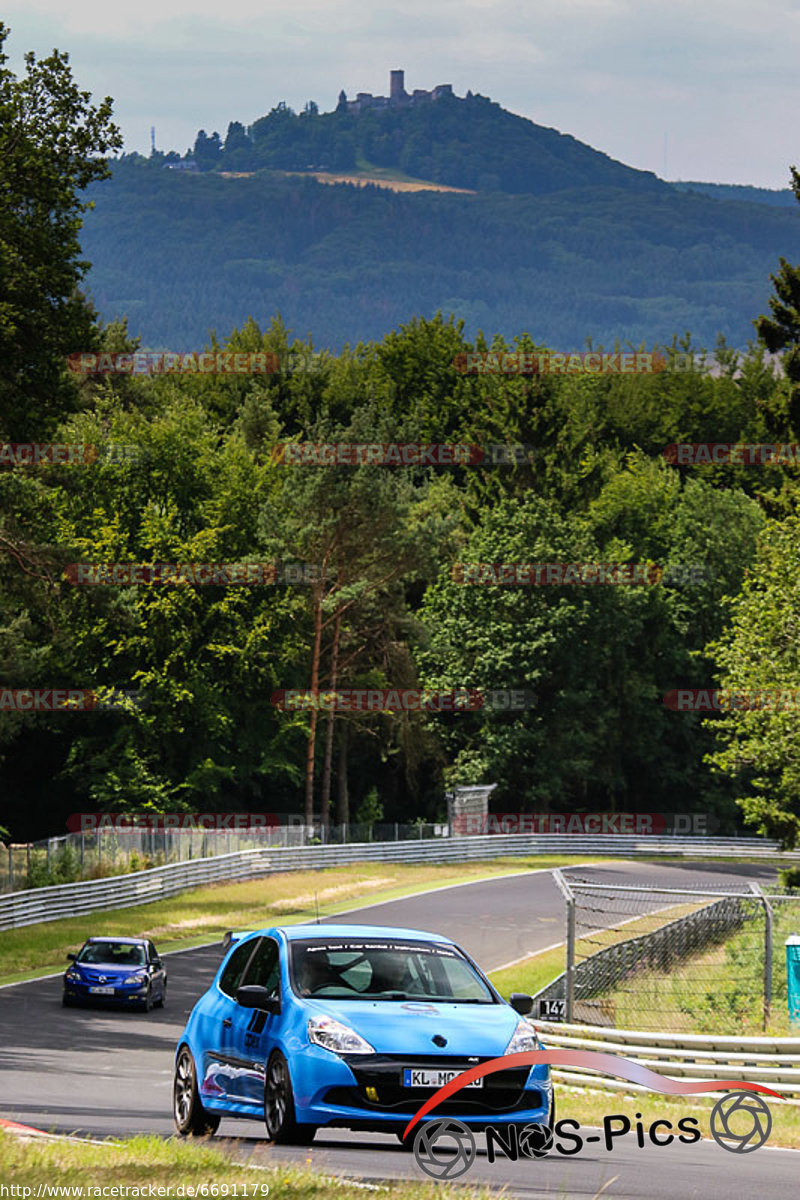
point(445, 1148)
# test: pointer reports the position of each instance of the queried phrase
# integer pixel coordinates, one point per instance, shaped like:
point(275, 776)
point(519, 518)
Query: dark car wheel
point(67, 1001)
point(162, 1000)
point(279, 1112)
point(191, 1119)
point(147, 1003)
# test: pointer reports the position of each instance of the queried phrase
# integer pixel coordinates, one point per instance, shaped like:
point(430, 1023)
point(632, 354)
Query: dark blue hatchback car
point(126, 971)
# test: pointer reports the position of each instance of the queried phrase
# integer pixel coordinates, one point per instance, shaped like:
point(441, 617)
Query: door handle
point(227, 1023)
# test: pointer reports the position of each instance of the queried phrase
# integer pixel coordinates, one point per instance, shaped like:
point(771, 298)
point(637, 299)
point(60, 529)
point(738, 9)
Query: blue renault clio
point(353, 1026)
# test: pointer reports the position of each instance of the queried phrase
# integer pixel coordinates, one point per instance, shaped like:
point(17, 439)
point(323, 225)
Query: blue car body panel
point(231, 1046)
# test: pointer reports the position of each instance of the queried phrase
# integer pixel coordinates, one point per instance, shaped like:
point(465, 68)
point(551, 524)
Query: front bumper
point(366, 1091)
point(122, 994)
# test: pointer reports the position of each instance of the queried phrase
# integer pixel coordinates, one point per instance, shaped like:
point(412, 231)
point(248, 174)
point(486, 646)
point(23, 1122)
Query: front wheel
point(279, 1111)
point(191, 1119)
point(163, 997)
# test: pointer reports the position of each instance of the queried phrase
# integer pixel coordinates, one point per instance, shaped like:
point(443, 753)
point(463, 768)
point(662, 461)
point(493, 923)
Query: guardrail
point(142, 887)
point(127, 891)
point(772, 1061)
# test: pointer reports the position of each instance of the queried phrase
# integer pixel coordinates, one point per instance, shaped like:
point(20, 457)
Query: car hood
point(408, 1027)
point(106, 969)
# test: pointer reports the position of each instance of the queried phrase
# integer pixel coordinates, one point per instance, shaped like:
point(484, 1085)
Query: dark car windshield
point(360, 969)
point(117, 954)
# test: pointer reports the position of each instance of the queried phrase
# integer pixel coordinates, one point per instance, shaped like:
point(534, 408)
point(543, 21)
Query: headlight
point(72, 976)
point(524, 1038)
point(333, 1035)
point(140, 978)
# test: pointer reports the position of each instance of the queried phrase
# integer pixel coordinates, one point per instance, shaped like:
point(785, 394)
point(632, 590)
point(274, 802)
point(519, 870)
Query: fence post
point(10, 868)
point(768, 926)
point(569, 973)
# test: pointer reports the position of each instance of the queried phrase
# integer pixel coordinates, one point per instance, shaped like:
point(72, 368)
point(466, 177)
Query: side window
point(232, 975)
point(153, 952)
point(264, 967)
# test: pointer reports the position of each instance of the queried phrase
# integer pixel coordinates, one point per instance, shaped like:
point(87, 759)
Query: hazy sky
point(692, 90)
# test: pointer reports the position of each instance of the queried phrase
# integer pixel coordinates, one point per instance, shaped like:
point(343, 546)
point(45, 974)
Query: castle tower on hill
point(397, 87)
point(398, 96)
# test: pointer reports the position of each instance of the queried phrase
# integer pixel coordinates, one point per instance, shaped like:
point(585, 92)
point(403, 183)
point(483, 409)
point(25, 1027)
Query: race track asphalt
point(103, 1072)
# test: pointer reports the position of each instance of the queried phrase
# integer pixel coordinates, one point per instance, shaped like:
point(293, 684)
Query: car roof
point(295, 932)
point(133, 941)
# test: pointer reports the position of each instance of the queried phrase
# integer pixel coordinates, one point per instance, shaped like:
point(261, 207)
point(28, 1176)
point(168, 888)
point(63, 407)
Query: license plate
point(102, 991)
point(412, 1077)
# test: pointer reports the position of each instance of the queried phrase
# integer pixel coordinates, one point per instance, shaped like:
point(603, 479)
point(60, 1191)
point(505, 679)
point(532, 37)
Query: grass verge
point(202, 1166)
point(716, 990)
point(203, 914)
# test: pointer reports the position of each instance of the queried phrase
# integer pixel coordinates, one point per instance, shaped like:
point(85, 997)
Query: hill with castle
point(537, 232)
point(466, 142)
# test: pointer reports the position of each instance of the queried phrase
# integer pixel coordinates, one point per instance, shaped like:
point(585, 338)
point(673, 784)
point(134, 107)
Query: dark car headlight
point(140, 977)
point(72, 976)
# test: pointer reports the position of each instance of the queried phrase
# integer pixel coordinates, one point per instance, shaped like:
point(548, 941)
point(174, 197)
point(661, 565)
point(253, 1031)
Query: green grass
point(715, 991)
point(203, 914)
point(204, 1165)
point(532, 974)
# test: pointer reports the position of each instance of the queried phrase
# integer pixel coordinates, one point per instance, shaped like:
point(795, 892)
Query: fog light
point(372, 1094)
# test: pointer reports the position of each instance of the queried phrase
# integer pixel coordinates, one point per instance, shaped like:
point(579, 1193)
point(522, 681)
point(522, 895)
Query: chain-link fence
point(683, 960)
point(95, 855)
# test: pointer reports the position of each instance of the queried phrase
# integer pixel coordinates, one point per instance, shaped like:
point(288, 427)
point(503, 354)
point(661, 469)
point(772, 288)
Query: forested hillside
point(169, 550)
point(182, 254)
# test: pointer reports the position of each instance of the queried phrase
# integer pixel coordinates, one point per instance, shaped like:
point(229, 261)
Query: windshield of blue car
point(112, 954)
point(385, 970)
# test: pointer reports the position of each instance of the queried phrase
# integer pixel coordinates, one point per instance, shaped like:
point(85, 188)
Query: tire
point(191, 1119)
point(147, 1003)
point(67, 1001)
point(279, 1110)
point(162, 1000)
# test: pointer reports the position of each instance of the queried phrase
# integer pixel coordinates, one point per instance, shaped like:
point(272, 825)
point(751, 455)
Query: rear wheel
point(279, 1111)
point(191, 1119)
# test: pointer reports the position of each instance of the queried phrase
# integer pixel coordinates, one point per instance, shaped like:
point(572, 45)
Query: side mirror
point(71, 957)
point(254, 996)
point(521, 1003)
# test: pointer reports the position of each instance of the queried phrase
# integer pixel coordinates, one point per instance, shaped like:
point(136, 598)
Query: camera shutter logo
point(447, 1161)
point(535, 1140)
point(735, 1105)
